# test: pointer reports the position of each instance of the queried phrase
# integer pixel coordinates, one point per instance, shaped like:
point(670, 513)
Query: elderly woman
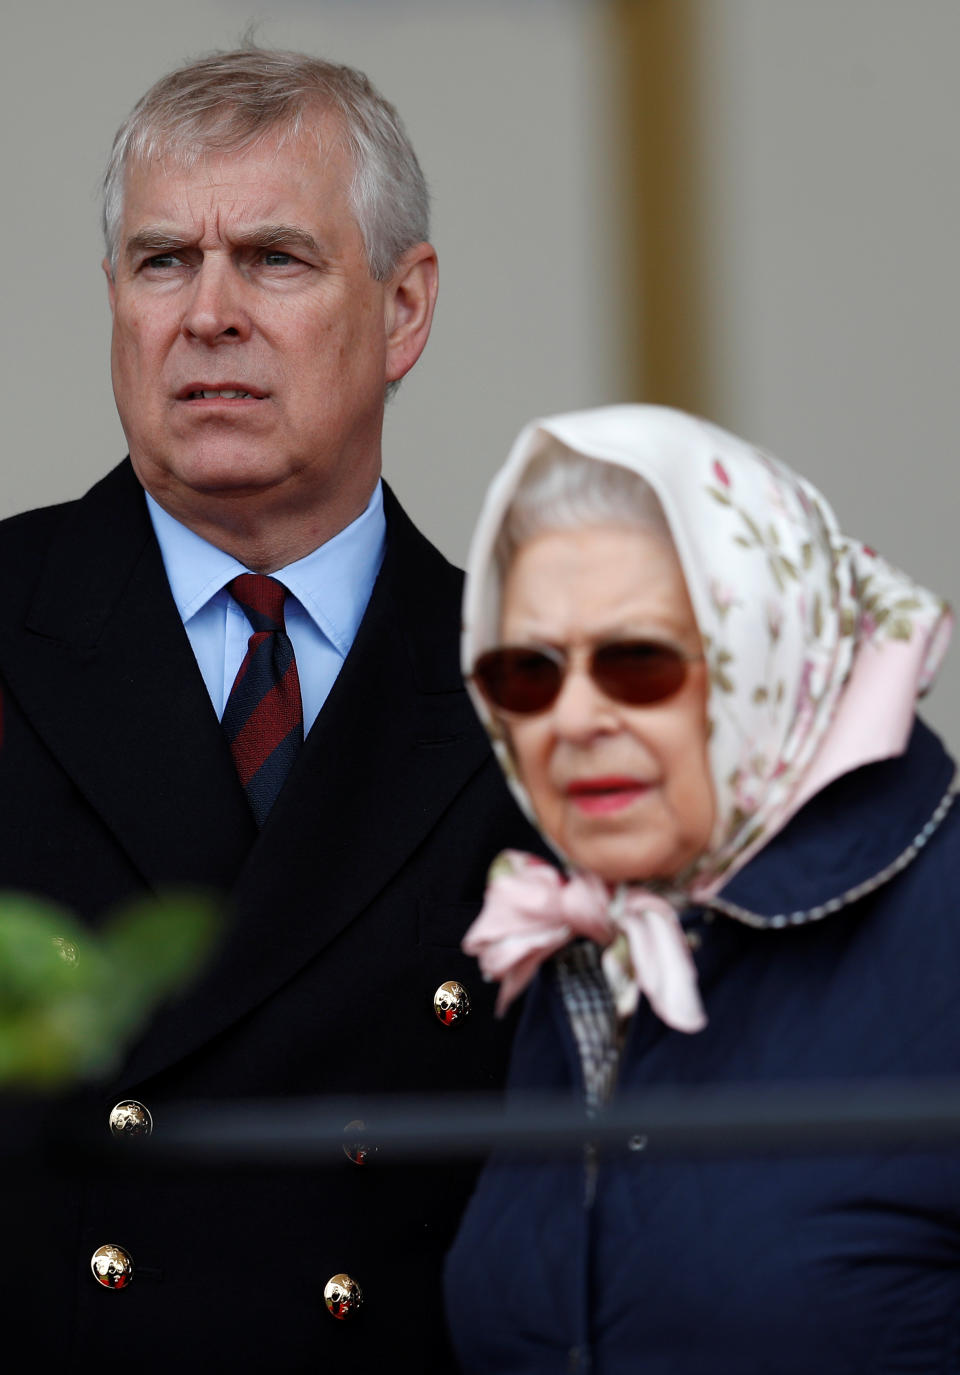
point(705, 695)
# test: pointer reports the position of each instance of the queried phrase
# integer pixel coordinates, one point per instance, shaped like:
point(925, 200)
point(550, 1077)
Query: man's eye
point(274, 257)
point(162, 260)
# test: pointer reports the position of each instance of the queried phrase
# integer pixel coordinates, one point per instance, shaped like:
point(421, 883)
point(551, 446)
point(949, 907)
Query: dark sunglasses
point(524, 679)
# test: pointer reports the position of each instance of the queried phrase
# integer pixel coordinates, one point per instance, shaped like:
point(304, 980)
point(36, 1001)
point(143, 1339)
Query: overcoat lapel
point(102, 668)
point(395, 742)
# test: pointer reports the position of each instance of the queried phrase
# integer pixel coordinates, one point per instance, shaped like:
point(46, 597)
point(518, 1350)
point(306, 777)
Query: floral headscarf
point(816, 647)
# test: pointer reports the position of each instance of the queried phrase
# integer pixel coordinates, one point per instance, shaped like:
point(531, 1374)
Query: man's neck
point(264, 541)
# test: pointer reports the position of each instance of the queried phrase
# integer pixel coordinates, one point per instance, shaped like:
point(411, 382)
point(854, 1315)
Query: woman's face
point(624, 791)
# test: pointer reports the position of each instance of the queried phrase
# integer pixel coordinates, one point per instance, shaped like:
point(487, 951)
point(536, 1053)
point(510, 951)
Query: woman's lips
point(598, 796)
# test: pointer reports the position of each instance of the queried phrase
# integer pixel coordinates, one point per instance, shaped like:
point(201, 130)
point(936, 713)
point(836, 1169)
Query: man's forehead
point(319, 149)
point(289, 181)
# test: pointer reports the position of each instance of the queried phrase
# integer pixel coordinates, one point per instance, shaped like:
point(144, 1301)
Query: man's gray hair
point(564, 490)
point(228, 101)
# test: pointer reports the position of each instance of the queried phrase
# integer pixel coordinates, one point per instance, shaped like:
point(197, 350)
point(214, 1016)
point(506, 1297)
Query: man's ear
point(111, 286)
point(411, 295)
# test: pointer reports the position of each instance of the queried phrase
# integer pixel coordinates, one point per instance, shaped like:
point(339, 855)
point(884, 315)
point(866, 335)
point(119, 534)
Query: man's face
point(251, 346)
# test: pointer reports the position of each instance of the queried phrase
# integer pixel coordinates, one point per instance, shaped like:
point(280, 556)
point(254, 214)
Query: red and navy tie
point(263, 717)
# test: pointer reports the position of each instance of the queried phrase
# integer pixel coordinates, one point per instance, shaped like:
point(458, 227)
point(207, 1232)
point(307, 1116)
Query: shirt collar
point(332, 584)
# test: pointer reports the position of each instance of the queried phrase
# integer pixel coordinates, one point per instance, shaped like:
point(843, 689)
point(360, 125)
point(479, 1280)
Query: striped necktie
point(263, 717)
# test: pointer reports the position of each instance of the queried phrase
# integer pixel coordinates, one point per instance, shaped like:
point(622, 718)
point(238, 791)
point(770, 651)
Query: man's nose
point(216, 310)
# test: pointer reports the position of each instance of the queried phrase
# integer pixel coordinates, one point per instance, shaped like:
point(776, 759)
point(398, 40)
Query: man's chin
point(211, 476)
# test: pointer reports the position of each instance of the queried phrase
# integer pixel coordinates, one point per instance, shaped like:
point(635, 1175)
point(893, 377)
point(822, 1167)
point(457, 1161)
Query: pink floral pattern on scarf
point(817, 648)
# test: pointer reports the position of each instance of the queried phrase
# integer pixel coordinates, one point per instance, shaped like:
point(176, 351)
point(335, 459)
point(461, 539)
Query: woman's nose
point(581, 709)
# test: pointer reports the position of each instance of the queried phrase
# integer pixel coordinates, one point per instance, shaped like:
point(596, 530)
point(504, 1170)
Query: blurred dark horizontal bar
point(696, 1120)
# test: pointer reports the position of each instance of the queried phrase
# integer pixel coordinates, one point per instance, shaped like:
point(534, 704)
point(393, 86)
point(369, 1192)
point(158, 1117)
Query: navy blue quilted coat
point(780, 1265)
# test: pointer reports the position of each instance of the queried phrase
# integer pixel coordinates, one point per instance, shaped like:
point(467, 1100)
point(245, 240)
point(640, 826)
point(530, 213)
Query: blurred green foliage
point(72, 1000)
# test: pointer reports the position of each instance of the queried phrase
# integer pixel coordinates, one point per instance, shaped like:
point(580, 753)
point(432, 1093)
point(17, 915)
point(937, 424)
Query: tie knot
point(262, 599)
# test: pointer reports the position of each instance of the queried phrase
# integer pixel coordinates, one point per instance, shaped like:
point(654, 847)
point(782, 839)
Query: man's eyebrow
point(153, 241)
point(273, 235)
point(157, 240)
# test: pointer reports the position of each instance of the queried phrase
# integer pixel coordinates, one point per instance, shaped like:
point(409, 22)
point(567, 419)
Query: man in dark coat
point(270, 278)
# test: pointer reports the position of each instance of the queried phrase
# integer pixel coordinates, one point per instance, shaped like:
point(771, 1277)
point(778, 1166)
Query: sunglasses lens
point(637, 672)
point(519, 680)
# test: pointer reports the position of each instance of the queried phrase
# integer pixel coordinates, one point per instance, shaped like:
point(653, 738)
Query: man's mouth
point(197, 391)
point(211, 395)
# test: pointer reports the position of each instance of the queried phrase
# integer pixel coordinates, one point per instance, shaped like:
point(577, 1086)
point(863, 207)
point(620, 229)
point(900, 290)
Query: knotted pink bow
point(530, 912)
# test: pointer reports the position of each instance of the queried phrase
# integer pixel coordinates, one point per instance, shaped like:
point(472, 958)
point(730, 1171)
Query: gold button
point(112, 1267)
point(451, 1002)
point(354, 1147)
point(343, 1296)
point(130, 1118)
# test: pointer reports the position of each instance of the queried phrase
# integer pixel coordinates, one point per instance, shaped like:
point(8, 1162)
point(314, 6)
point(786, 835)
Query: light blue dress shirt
point(329, 591)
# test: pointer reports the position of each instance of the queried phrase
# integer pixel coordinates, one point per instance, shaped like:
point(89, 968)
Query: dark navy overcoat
point(343, 915)
point(786, 1264)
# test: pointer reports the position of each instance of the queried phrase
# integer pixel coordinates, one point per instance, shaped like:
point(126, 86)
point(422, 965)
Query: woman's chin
point(628, 857)
point(621, 864)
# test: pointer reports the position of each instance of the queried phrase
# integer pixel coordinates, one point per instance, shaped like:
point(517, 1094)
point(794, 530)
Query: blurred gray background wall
point(811, 233)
